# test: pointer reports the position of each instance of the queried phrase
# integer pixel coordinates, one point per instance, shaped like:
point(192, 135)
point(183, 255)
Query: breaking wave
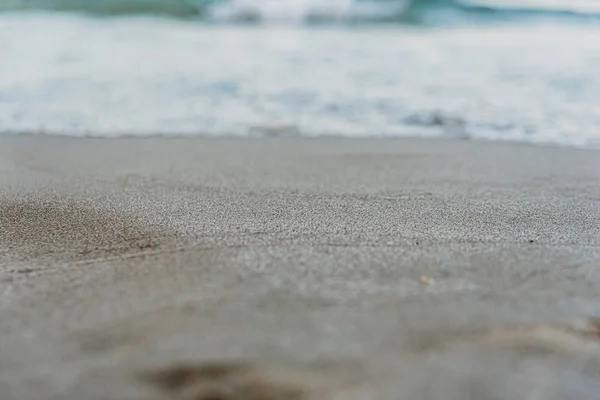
point(311, 11)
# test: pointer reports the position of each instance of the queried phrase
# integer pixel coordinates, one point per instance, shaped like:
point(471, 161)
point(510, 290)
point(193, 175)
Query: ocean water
point(485, 69)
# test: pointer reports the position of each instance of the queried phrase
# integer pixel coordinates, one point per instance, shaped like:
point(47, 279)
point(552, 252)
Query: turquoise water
point(245, 10)
point(496, 71)
point(317, 11)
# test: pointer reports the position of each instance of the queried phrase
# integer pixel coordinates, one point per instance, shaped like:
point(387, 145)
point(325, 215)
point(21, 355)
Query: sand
point(263, 269)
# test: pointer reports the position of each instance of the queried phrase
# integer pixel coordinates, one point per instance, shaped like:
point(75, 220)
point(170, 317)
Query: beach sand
point(279, 269)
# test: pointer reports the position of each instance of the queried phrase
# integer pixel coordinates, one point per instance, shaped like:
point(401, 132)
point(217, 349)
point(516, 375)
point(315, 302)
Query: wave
point(307, 11)
point(178, 8)
point(239, 10)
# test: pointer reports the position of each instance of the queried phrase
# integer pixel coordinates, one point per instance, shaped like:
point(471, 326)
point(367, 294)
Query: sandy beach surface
point(280, 269)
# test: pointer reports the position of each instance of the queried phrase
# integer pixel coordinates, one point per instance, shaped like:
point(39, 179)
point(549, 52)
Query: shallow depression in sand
point(36, 225)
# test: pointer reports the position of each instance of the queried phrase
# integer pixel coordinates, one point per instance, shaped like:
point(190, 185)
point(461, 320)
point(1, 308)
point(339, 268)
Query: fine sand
point(293, 269)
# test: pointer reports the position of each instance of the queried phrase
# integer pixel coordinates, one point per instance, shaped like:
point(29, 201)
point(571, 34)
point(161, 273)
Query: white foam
point(299, 11)
point(79, 76)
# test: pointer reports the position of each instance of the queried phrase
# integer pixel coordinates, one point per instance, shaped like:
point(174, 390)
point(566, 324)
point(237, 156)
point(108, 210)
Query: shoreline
point(284, 136)
point(298, 268)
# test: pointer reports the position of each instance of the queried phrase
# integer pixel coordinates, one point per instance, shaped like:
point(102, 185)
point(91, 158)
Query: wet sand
point(297, 269)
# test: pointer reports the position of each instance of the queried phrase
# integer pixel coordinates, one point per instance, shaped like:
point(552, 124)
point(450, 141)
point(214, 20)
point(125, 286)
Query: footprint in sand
point(246, 381)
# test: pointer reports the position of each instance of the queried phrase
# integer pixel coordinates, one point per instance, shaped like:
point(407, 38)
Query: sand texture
point(297, 269)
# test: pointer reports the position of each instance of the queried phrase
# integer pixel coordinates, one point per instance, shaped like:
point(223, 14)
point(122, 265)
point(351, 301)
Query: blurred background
point(520, 70)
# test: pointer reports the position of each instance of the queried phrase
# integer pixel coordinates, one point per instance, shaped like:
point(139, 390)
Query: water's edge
point(535, 83)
